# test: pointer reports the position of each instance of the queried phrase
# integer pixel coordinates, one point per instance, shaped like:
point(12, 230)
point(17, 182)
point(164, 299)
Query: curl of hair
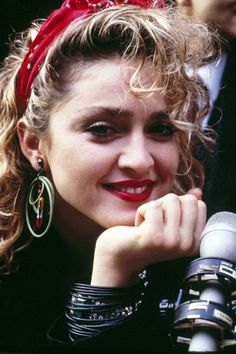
point(166, 39)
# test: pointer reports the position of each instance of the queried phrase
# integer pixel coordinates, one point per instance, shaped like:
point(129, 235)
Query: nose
point(136, 155)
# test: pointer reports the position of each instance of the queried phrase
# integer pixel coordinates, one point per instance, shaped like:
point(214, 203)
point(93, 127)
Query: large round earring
point(39, 204)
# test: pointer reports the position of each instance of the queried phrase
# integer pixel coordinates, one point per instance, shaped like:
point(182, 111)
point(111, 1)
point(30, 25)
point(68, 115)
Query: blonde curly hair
point(168, 40)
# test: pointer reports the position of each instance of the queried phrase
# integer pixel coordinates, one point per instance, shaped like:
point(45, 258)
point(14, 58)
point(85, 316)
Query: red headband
point(55, 24)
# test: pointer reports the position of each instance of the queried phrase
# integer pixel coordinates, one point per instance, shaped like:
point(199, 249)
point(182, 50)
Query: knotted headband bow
point(54, 25)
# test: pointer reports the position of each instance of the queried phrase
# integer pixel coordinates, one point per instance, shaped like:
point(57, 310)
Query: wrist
point(110, 267)
point(108, 272)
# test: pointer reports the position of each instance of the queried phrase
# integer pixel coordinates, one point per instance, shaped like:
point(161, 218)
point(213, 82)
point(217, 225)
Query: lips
point(131, 190)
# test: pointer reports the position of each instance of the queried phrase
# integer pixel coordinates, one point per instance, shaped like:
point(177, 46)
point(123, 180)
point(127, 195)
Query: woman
point(97, 118)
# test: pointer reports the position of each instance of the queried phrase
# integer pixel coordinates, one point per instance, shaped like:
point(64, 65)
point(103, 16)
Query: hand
point(164, 229)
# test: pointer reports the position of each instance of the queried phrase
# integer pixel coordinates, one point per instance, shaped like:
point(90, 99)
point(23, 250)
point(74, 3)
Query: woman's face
point(219, 12)
point(108, 151)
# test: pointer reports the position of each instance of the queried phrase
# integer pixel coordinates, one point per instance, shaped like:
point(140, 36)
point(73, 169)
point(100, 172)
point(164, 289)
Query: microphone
point(204, 311)
point(218, 239)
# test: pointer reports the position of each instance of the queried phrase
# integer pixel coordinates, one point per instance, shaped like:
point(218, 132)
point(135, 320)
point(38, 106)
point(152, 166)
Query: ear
point(29, 143)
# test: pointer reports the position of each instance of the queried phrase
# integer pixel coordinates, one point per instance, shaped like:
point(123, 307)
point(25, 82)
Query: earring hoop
point(39, 204)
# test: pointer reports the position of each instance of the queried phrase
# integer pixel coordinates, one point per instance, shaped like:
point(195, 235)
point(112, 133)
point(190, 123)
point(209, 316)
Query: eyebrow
point(160, 115)
point(114, 113)
point(110, 112)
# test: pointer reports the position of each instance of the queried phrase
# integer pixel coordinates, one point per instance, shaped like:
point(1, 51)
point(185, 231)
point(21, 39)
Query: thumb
point(197, 192)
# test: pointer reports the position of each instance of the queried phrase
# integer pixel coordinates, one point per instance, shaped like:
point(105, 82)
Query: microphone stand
point(205, 325)
point(205, 336)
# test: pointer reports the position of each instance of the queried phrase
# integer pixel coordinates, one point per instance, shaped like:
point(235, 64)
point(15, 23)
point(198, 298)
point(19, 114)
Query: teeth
point(130, 190)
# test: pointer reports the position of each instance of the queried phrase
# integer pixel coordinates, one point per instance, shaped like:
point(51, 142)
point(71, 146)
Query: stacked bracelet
point(92, 309)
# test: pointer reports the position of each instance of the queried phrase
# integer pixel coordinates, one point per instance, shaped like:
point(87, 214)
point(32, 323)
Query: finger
point(140, 214)
point(172, 216)
point(189, 218)
point(159, 228)
point(201, 221)
point(151, 214)
point(200, 224)
point(191, 234)
point(169, 207)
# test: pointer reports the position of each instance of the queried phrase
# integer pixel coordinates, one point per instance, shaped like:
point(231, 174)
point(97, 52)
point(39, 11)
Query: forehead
point(85, 69)
point(105, 79)
point(105, 83)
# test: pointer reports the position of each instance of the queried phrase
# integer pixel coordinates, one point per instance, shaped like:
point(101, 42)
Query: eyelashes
point(162, 129)
point(104, 129)
point(101, 129)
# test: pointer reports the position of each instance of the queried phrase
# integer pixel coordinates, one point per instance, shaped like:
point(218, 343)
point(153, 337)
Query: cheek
point(79, 166)
point(169, 159)
point(173, 165)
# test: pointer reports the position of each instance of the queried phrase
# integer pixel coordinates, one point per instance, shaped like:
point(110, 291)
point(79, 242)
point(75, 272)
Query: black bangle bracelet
point(101, 291)
point(92, 309)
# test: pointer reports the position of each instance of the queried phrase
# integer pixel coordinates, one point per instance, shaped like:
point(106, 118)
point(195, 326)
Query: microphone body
point(212, 277)
point(217, 240)
point(206, 338)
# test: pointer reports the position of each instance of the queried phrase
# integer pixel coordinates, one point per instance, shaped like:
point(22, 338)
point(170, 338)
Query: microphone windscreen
point(218, 239)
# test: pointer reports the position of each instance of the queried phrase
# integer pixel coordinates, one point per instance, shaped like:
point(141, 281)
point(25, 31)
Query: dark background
point(16, 16)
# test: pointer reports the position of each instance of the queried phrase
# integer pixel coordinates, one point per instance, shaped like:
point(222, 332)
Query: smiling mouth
point(132, 194)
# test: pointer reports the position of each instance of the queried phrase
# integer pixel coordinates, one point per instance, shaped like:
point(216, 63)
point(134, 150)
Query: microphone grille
point(218, 238)
point(223, 217)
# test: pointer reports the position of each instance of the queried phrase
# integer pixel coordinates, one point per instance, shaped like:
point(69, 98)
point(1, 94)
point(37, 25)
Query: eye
point(101, 129)
point(161, 129)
